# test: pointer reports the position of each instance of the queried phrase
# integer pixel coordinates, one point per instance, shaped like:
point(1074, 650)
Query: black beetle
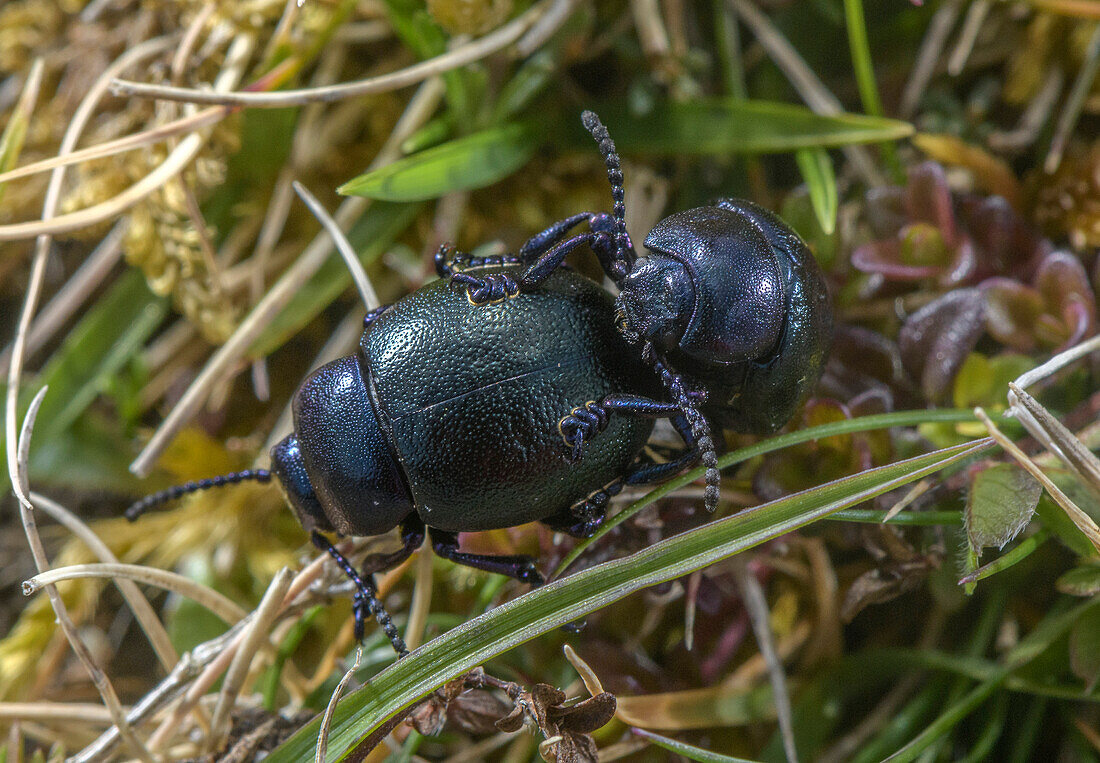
point(512, 390)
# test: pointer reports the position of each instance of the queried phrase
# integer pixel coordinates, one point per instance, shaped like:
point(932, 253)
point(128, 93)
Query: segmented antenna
point(700, 427)
point(178, 491)
point(614, 174)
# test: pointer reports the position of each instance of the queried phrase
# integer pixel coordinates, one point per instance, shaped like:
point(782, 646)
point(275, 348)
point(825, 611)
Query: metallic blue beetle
point(513, 390)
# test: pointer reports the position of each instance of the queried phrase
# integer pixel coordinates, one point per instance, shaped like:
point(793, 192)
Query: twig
point(928, 56)
point(38, 551)
point(472, 51)
point(176, 683)
point(20, 117)
point(187, 124)
point(80, 712)
point(114, 206)
point(343, 246)
point(809, 87)
point(326, 722)
point(218, 603)
point(220, 661)
point(139, 605)
point(1075, 102)
point(256, 634)
point(1083, 521)
point(1031, 122)
point(72, 295)
point(422, 104)
point(543, 28)
point(756, 604)
point(42, 248)
point(972, 24)
point(421, 604)
point(1055, 437)
point(190, 37)
point(1059, 361)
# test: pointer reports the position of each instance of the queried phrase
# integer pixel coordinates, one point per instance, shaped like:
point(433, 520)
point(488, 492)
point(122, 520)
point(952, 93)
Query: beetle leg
point(520, 567)
point(372, 316)
point(697, 422)
point(365, 600)
point(488, 289)
point(540, 243)
point(584, 423)
point(584, 518)
point(412, 536)
point(448, 261)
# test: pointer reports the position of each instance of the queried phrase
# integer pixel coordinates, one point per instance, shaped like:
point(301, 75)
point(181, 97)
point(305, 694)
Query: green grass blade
point(905, 518)
point(849, 426)
point(1053, 627)
point(569, 599)
point(727, 125)
point(463, 164)
point(817, 170)
point(1017, 554)
point(11, 141)
point(689, 751)
point(862, 64)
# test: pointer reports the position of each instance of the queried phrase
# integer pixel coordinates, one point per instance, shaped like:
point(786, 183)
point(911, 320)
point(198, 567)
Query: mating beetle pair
point(514, 390)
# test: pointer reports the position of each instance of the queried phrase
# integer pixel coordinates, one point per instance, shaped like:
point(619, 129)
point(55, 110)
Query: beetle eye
point(656, 299)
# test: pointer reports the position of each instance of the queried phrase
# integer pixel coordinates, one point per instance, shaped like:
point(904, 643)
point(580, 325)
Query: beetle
point(513, 390)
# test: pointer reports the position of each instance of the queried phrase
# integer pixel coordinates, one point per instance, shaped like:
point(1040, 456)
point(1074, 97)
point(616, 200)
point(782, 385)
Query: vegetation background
point(906, 588)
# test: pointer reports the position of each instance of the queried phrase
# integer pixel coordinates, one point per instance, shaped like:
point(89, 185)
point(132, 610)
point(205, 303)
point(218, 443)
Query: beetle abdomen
point(472, 396)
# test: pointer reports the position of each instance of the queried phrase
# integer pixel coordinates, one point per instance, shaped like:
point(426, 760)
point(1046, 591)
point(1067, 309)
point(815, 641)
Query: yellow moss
point(469, 16)
point(1067, 203)
point(250, 519)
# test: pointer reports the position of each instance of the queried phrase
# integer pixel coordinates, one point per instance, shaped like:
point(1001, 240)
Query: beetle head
point(727, 281)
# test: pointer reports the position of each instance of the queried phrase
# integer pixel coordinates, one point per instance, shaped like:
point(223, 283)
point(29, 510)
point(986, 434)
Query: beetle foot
point(488, 289)
point(581, 425)
point(583, 519)
point(529, 573)
point(576, 626)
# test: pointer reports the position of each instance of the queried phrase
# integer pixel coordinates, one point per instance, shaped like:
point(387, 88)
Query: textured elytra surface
point(471, 397)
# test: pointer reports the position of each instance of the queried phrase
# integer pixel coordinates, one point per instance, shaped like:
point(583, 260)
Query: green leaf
point(1000, 504)
point(532, 77)
point(817, 170)
point(691, 752)
point(1063, 528)
point(370, 236)
point(1084, 648)
point(1081, 581)
point(1021, 551)
point(726, 125)
point(464, 164)
point(983, 381)
point(397, 687)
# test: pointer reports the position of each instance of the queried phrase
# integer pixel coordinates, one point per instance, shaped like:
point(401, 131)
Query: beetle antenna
point(614, 174)
point(700, 427)
point(138, 508)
